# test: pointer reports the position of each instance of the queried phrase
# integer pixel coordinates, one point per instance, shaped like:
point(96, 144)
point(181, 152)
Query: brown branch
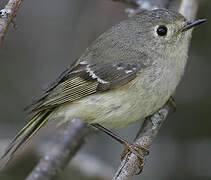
point(55, 160)
point(6, 16)
point(151, 125)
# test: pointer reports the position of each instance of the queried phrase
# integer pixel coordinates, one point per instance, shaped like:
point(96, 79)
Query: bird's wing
point(81, 80)
point(112, 60)
point(85, 79)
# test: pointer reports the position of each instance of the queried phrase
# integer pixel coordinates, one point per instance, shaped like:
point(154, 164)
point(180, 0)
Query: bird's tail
point(25, 134)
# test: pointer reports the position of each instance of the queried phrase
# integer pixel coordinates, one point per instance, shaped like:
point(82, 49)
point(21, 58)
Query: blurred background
point(49, 36)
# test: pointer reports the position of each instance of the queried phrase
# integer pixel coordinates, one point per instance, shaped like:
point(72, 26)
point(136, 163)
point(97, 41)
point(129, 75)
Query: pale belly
point(119, 107)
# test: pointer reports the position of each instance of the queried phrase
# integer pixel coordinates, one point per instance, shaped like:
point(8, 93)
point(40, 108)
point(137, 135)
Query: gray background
point(50, 35)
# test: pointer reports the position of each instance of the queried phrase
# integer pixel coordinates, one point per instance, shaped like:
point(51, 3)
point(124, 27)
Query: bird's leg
point(129, 147)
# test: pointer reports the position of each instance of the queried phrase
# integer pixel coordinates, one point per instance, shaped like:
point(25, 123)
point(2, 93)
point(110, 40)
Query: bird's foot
point(135, 149)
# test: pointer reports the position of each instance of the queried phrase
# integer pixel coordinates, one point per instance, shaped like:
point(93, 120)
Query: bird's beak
point(190, 24)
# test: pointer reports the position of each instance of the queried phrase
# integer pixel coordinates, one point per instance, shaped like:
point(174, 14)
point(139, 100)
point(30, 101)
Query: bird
point(125, 75)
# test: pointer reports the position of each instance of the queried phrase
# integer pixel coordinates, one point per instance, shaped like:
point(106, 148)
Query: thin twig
point(6, 16)
point(55, 160)
point(151, 125)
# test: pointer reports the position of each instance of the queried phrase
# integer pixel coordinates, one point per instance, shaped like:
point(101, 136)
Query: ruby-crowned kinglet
point(125, 75)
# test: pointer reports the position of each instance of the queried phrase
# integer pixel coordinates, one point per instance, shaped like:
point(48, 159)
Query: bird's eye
point(162, 30)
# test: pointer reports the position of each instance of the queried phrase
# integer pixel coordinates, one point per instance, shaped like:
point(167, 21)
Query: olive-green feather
point(25, 134)
point(68, 91)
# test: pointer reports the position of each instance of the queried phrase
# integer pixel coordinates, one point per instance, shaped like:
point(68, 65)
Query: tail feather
point(25, 134)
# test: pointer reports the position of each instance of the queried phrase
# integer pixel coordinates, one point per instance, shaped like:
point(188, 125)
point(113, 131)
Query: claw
point(124, 153)
point(130, 148)
point(140, 170)
point(135, 150)
point(143, 149)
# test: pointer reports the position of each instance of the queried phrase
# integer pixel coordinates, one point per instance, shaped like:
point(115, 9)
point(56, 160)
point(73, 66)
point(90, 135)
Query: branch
point(144, 4)
point(147, 4)
point(189, 8)
point(91, 168)
point(151, 125)
point(6, 16)
point(55, 160)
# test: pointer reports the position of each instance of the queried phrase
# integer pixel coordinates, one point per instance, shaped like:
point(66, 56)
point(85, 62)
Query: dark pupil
point(162, 30)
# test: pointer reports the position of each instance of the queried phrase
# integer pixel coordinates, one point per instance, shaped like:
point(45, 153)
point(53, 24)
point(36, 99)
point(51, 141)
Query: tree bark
point(69, 142)
point(6, 16)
